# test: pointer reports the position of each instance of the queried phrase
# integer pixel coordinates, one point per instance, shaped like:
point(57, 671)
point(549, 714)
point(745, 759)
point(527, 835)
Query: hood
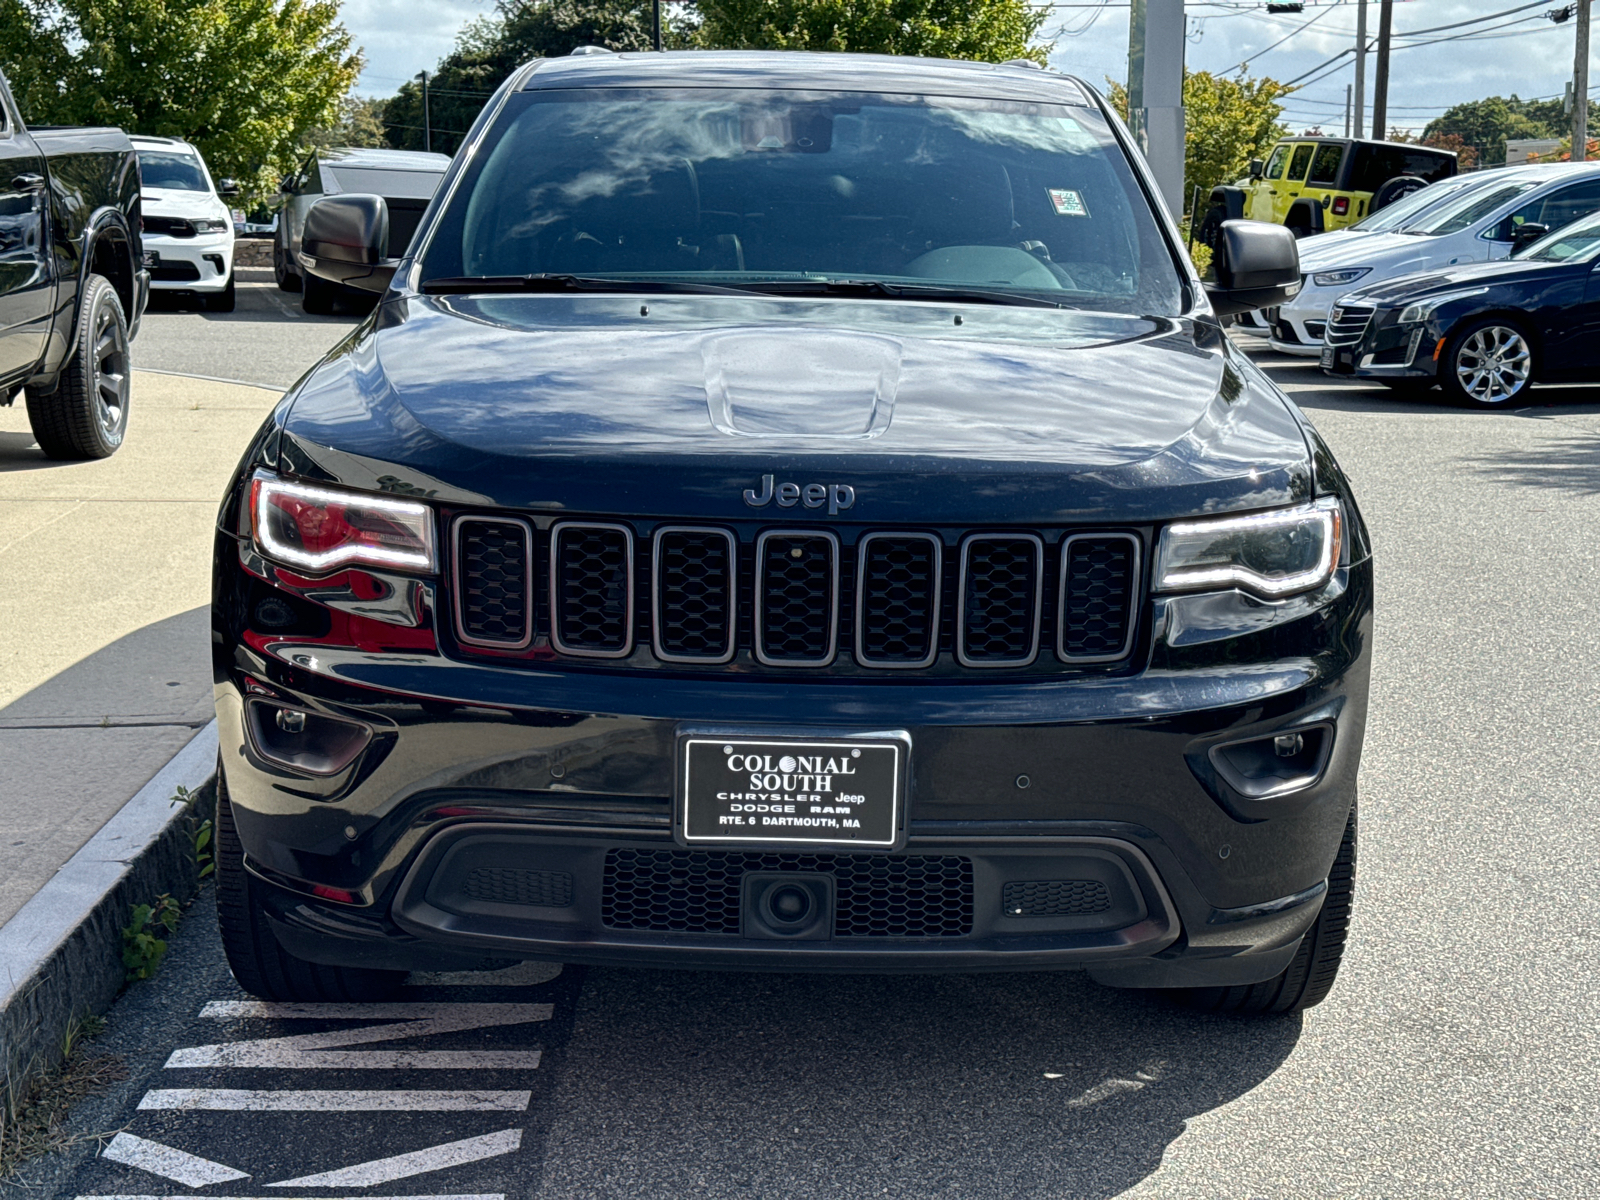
point(1467, 275)
point(172, 202)
point(674, 405)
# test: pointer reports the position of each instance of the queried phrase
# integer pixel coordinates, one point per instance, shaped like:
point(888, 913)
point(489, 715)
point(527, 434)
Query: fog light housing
point(1262, 768)
point(307, 743)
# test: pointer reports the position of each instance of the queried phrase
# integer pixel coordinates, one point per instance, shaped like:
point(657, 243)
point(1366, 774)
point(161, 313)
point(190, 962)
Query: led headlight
point(319, 529)
point(1339, 278)
point(1272, 554)
point(207, 225)
point(1423, 309)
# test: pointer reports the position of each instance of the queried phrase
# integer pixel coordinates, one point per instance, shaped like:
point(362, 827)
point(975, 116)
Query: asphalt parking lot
point(1456, 1057)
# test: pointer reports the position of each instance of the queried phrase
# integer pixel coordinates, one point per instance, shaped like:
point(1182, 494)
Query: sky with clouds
point(1521, 51)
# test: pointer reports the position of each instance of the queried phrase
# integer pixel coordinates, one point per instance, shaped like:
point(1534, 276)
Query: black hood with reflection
point(673, 405)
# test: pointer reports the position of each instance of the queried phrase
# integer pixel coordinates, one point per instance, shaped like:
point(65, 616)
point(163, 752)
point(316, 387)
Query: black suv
point(792, 512)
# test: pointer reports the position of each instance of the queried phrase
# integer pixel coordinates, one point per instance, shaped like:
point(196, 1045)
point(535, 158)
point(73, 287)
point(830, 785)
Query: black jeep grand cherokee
point(794, 512)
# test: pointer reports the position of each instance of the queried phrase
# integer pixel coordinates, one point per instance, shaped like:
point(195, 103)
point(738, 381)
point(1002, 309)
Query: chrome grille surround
point(760, 597)
point(963, 651)
point(457, 578)
point(658, 583)
point(1130, 613)
point(559, 580)
point(863, 549)
point(1346, 324)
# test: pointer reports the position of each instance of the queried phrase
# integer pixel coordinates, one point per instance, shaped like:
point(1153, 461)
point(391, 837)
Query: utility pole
point(1380, 86)
point(1156, 34)
point(1580, 87)
point(1347, 110)
point(1361, 68)
point(427, 122)
point(655, 25)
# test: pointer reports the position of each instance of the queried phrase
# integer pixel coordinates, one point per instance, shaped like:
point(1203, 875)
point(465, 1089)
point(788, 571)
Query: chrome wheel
point(1493, 364)
point(111, 380)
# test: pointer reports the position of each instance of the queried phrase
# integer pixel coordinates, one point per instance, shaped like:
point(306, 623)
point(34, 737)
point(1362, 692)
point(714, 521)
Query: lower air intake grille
point(494, 592)
point(511, 885)
point(999, 625)
point(898, 600)
point(694, 595)
point(1098, 576)
point(797, 584)
point(591, 596)
point(1055, 898)
point(697, 891)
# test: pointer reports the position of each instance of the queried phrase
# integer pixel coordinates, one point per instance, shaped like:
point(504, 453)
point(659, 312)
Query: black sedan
point(1485, 332)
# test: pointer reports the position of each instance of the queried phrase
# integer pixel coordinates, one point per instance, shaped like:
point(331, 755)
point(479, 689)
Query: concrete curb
point(61, 954)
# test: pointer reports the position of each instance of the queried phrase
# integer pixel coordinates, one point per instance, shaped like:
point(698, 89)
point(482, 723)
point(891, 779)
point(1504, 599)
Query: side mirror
point(1527, 234)
point(1257, 265)
point(346, 240)
point(228, 187)
point(1257, 168)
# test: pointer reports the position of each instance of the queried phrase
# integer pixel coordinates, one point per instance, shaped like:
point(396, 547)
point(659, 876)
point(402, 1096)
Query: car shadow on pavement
point(1004, 1085)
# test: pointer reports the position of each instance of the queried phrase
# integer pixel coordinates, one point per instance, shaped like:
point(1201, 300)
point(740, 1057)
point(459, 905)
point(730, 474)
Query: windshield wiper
point(547, 281)
point(898, 291)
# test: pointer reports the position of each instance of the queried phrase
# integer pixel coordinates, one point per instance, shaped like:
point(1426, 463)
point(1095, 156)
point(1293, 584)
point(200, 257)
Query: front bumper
point(1298, 327)
point(543, 782)
point(1386, 350)
point(203, 263)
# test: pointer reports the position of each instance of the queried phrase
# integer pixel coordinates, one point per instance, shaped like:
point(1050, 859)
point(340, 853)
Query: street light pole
point(1580, 87)
point(427, 122)
point(1380, 86)
point(1361, 68)
point(655, 25)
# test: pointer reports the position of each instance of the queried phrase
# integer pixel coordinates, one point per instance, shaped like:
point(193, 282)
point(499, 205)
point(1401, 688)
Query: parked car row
point(188, 226)
point(1483, 285)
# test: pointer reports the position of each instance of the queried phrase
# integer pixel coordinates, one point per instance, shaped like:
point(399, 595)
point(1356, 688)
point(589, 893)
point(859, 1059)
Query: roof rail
point(592, 50)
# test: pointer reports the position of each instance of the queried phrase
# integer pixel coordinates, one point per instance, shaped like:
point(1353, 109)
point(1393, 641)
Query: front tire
point(1211, 226)
point(224, 300)
point(318, 296)
point(86, 416)
point(1309, 977)
point(262, 967)
point(1488, 364)
point(288, 279)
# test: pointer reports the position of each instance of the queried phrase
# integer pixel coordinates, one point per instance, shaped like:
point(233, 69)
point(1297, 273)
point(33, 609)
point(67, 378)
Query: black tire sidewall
point(1447, 364)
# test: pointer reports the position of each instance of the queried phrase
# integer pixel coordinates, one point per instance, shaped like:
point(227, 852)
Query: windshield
point(177, 172)
point(1404, 210)
point(737, 189)
point(1466, 211)
point(1578, 241)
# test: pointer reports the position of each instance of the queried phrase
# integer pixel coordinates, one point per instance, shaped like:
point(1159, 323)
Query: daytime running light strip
point(342, 555)
point(1325, 511)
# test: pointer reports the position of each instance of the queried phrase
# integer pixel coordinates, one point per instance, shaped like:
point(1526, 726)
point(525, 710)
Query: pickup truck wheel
point(223, 301)
point(1211, 226)
point(288, 279)
point(86, 416)
point(262, 967)
point(1309, 977)
point(319, 296)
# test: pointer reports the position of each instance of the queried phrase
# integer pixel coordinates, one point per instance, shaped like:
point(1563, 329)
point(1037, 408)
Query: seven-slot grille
point(1346, 324)
point(797, 597)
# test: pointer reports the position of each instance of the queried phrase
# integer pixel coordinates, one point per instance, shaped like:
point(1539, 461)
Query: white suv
point(187, 225)
point(1507, 209)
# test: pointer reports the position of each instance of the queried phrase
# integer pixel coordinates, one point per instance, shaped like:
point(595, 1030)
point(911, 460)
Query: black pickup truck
point(71, 288)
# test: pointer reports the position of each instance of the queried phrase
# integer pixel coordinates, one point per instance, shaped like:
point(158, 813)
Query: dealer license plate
point(828, 791)
point(1327, 357)
point(152, 258)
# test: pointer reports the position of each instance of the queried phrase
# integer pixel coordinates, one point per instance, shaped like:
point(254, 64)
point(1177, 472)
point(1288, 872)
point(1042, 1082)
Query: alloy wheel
point(1493, 364)
point(111, 377)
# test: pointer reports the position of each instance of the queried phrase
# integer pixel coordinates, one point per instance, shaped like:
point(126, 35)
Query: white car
point(1402, 212)
point(187, 226)
point(1511, 208)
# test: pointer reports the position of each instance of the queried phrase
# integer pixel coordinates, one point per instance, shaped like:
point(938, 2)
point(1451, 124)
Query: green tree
point(489, 49)
point(244, 80)
point(1486, 124)
point(1227, 122)
point(986, 30)
point(360, 123)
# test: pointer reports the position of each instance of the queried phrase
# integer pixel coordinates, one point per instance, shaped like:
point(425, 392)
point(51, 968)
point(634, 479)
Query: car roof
point(371, 159)
point(808, 70)
point(145, 141)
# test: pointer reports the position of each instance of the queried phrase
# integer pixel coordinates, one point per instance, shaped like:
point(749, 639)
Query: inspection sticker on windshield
point(1067, 203)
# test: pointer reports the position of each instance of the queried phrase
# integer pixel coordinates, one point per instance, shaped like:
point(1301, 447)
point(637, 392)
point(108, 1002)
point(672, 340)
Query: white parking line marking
point(469, 1196)
point(525, 974)
point(418, 1162)
point(307, 1051)
point(168, 1162)
point(240, 1100)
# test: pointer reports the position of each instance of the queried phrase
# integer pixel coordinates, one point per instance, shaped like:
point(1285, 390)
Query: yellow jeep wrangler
point(1315, 184)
